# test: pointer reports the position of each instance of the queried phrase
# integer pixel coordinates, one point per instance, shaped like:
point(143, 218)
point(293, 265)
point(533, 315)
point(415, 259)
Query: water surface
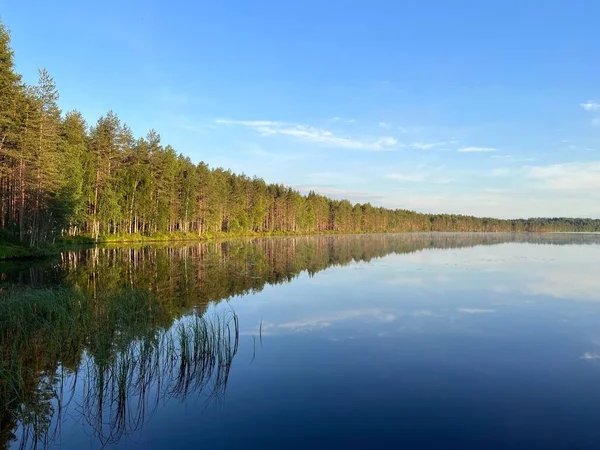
point(463, 341)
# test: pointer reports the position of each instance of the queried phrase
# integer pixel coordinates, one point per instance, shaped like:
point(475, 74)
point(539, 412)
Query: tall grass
point(192, 357)
point(110, 360)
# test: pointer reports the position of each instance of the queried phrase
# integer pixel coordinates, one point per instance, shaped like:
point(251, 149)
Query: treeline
point(61, 177)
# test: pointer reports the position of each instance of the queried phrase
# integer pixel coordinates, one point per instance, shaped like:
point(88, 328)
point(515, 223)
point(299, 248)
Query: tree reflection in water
point(106, 335)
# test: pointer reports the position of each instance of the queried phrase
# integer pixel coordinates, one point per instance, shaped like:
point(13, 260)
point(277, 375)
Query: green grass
point(181, 236)
point(15, 251)
point(9, 250)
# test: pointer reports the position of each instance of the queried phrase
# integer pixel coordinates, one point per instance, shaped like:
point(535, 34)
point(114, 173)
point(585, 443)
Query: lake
point(414, 341)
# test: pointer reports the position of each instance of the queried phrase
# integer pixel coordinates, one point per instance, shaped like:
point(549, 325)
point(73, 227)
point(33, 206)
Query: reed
point(113, 350)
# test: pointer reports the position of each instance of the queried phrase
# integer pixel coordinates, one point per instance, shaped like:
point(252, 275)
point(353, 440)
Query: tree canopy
point(59, 176)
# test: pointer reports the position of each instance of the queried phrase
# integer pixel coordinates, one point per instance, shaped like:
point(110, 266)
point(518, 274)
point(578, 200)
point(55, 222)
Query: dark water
point(448, 341)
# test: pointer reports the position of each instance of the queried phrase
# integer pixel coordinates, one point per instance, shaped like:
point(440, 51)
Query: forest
point(61, 178)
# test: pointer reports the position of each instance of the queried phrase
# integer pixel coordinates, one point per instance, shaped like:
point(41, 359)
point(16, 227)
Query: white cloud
point(589, 356)
point(426, 145)
point(482, 204)
point(577, 282)
point(476, 311)
point(524, 199)
point(313, 134)
point(508, 191)
point(384, 124)
point(249, 123)
point(387, 141)
point(566, 272)
point(422, 313)
point(569, 176)
point(319, 322)
point(476, 149)
point(591, 106)
point(339, 119)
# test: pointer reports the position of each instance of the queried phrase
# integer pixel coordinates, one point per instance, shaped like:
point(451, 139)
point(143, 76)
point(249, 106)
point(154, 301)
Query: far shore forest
point(60, 177)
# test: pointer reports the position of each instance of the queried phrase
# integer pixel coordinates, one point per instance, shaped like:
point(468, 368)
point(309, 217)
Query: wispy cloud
point(384, 125)
point(426, 145)
point(339, 119)
point(569, 176)
point(591, 106)
point(476, 311)
point(477, 149)
point(249, 123)
point(578, 281)
point(326, 320)
point(313, 134)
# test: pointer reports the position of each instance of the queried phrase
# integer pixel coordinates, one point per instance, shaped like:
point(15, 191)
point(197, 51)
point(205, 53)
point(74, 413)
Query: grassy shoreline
point(10, 251)
point(14, 251)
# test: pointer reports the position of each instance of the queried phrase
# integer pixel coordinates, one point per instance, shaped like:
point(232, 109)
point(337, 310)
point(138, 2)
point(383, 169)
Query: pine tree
point(59, 178)
point(45, 161)
point(73, 191)
point(11, 92)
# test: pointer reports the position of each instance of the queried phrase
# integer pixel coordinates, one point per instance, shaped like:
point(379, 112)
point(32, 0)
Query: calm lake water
point(435, 341)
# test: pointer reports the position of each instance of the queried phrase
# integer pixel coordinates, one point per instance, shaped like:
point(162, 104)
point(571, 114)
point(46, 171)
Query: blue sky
point(477, 107)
